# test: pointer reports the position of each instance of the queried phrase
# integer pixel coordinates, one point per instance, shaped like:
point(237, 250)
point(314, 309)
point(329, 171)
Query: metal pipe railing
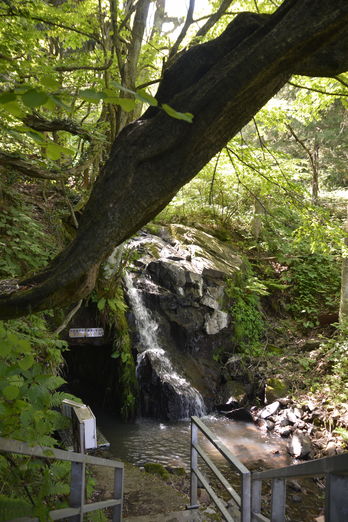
point(335, 470)
point(77, 492)
point(243, 501)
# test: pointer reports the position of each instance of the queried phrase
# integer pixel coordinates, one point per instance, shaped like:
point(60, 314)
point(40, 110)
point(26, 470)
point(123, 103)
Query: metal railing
point(335, 470)
point(243, 501)
point(78, 506)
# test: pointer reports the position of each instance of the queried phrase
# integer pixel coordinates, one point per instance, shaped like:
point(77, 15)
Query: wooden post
point(278, 500)
point(194, 465)
point(336, 501)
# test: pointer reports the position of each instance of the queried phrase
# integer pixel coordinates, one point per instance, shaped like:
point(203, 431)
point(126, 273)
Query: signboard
point(86, 332)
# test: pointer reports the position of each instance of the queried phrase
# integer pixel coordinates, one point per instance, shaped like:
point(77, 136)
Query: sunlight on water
point(169, 443)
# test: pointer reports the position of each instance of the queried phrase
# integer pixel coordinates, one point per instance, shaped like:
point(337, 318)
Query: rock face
point(181, 274)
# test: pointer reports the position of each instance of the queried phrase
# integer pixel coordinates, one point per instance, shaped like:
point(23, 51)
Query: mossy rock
point(157, 469)
point(275, 389)
point(178, 471)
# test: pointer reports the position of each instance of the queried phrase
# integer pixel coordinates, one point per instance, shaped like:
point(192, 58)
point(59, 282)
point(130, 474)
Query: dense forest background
point(73, 75)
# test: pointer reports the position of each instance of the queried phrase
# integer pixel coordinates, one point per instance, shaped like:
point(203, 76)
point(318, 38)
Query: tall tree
point(223, 83)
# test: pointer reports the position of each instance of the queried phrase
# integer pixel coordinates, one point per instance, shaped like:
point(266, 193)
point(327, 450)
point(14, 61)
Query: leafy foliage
point(246, 314)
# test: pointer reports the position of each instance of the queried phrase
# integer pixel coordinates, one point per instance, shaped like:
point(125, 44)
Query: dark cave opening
point(93, 375)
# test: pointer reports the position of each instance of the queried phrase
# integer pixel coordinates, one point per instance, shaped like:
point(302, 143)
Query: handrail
point(243, 501)
point(78, 467)
point(336, 464)
point(334, 468)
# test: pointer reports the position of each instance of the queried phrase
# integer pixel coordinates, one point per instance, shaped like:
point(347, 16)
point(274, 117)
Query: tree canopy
point(223, 82)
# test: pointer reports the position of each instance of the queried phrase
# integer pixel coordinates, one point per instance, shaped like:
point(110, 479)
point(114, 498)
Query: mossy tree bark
point(224, 83)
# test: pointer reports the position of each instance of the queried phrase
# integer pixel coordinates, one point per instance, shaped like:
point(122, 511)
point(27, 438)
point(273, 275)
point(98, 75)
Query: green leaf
point(119, 86)
point(7, 97)
point(53, 151)
point(10, 392)
point(50, 83)
point(26, 363)
point(11, 508)
point(57, 101)
point(37, 136)
point(186, 116)
point(127, 104)
point(147, 98)
point(91, 95)
point(101, 304)
point(34, 98)
point(15, 109)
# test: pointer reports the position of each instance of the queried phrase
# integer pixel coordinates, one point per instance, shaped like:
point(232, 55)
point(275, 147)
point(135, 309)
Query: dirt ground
point(144, 493)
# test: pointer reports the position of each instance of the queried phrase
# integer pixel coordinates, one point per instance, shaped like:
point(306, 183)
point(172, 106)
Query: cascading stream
point(188, 400)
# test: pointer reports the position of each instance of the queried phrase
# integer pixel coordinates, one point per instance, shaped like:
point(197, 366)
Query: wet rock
point(285, 431)
point(330, 449)
point(269, 410)
point(215, 322)
point(284, 401)
point(299, 445)
point(292, 418)
point(270, 425)
point(298, 413)
point(284, 421)
point(240, 414)
point(262, 424)
point(227, 407)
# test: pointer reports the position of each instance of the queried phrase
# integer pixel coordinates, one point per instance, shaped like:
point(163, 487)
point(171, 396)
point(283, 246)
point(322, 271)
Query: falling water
point(189, 399)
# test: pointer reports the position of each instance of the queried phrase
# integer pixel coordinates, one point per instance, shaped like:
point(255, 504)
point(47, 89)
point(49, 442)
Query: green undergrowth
point(110, 300)
point(246, 313)
point(30, 358)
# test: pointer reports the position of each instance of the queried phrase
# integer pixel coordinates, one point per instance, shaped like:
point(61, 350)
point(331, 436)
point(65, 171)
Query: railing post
point(336, 499)
point(245, 508)
point(77, 489)
point(78, 476)
point(194, 465)
point(118, 493)
point(278, 500)
point(256, 486)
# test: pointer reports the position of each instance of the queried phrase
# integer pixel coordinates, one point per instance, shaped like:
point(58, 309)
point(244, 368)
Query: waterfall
point(181, 400)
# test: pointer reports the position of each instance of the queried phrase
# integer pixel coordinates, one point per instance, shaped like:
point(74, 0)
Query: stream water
point(169, 442)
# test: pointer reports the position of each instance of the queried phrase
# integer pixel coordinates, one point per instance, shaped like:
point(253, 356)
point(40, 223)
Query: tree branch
point(317, 90)
point(27, 168)
point(39, 123)
point(69, 68)
point(225, 4)
point(188, 22)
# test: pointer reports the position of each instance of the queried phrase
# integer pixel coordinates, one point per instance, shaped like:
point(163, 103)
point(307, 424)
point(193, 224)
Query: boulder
point(300, 445)
point(269, 410)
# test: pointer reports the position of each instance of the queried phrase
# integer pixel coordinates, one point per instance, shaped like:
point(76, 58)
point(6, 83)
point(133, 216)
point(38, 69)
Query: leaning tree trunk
point(223, 83)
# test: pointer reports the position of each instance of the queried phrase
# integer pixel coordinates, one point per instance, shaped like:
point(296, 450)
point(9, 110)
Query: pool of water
point(169, 442)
